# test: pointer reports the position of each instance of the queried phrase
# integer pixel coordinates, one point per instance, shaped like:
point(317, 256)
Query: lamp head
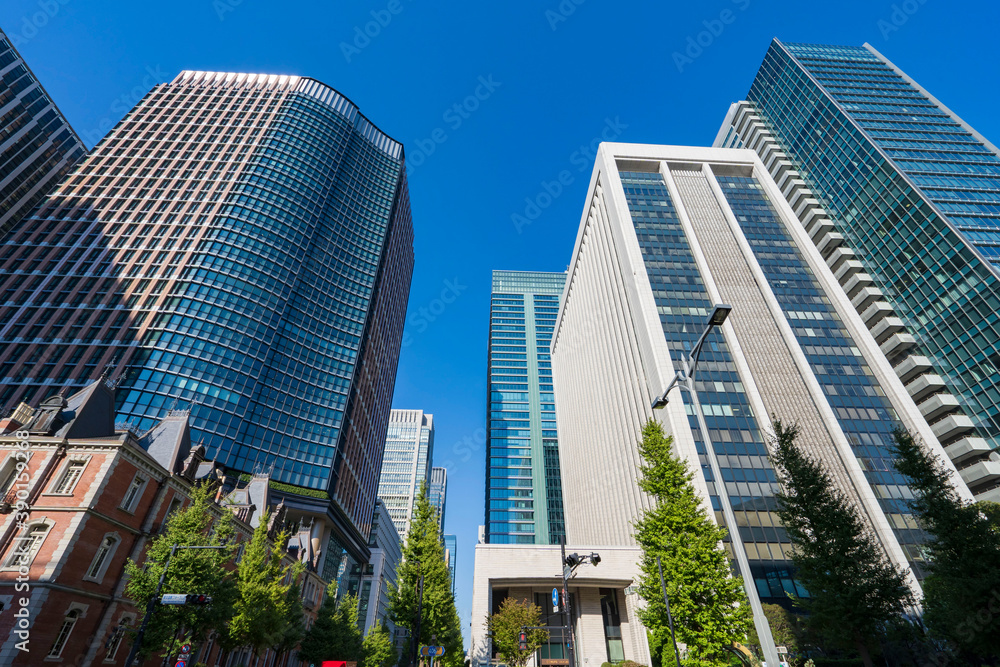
point(660, 402)
point(719, 314)
point(595, 559)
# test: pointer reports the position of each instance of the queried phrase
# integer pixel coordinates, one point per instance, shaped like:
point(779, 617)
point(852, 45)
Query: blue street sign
point(555, 597)
point(174, 598)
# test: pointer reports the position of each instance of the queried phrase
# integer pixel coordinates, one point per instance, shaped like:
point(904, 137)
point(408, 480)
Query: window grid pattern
point(683, 304)
point(863, 412)
point(524, 488)
point(948, 298)
point(39, 145)
point(244, 250)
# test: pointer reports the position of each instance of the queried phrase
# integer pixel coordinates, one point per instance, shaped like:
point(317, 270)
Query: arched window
point(25, 547)
point(103, 557)
point(64, 632)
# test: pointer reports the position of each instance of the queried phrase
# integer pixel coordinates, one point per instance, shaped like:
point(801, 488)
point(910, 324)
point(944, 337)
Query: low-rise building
point(81, 496)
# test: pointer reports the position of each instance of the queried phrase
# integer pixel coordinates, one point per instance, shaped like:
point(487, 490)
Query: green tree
point(708, 604)
point(506, 624)
point(317, 645)
point(378, 648)
point(423, 554)
point(347, 640)
point(962, 588)
point(201, 571)
point(260, 610)
point(293, 629)
point(855, 592)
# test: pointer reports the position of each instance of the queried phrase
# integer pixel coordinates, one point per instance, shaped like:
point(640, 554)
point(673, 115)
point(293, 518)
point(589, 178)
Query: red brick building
point(80, 497)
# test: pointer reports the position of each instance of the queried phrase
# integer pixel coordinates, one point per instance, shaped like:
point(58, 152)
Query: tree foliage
point(293, 629)
point(201, 571)
point(261, 606)
point(335, 634)
point(708, 604)
point(378, 649)
point(962, 589)
point(423, 554)
point(854, 590)
point(506, 624)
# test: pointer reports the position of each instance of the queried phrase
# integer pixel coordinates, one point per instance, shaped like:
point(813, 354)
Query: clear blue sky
point(554, 86)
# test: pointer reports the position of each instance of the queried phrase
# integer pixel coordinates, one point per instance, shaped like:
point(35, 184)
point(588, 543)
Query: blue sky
point(537, 84)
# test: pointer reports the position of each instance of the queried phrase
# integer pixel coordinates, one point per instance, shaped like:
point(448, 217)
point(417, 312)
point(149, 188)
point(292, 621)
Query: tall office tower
point(406, 464)
point(523, 492)
point(451, 557)
point(37, 145)
point(666, 233)
point(902, 198)
point(438, 492)
point(241, 245)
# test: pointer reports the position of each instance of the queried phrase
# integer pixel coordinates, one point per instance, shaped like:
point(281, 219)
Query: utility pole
point(416, 631)
point(570, 649)
point(153, 601)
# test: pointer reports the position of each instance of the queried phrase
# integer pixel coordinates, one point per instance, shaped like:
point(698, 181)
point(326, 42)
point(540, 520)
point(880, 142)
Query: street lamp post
point(415, 641)
point(569, 565)
point(156, 597)
point(685, 380)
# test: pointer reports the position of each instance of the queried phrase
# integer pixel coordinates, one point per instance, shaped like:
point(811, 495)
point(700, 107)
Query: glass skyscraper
point(239, 245)
point(523, 492)
point(438, 492)
point(37, 145)
point(903, 200)
point(451, 557)
point(406, 465)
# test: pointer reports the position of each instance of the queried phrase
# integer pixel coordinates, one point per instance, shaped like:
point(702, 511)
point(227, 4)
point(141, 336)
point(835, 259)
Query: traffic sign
point(432, 651)
point(174, 598)
point(181, 663)
point(185, 649)
point(555, 597)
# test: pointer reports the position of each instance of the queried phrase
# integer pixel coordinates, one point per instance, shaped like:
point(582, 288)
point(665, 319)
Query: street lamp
point(685, 380)
point(569, 565)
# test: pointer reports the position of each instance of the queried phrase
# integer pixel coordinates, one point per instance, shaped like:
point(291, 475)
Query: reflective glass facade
point(406, 465)
point(438, 490)
point(523, 490)
point(37, 145)
point(913, 190)
point(239, 245)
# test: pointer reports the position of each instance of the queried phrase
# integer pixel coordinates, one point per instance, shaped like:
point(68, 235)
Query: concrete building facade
point(406, 464)
point(666, 233)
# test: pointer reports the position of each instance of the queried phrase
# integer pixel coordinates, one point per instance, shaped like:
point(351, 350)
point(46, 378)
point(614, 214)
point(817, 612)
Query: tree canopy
point(855, 592)
point(423, 555)
point(708, 604)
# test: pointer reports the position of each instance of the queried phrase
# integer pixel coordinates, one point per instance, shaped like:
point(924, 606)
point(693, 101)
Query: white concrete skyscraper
point(406, 464)
point(666, 233)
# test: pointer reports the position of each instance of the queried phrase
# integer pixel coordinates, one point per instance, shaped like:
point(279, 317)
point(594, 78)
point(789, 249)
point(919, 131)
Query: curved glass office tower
point(242, 246)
